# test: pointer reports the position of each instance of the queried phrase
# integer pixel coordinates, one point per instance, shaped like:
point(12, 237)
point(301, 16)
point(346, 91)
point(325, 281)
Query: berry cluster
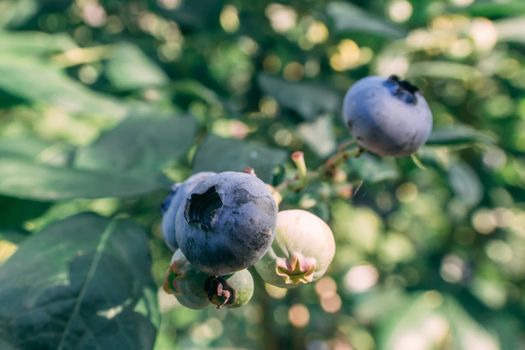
point(219, 225)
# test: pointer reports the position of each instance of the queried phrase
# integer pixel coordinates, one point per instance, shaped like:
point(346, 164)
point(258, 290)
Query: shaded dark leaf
point(140, 144)
point(26, 179)
point(219, 154)
point(79, 284)
point(307, 99)
point(196, 13)
point(16, 211)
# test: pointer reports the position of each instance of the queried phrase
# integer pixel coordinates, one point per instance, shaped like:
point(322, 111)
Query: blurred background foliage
point(104, 103)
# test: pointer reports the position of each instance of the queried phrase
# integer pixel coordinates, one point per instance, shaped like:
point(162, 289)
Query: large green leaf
point(34, 43)
point(15, 13)
point(350, 18)
point(374, 169)
point(433, 321)
point(139, 144)
point(511, 29)
point(24, 178)
point(307, 99)
point(130, 68)
point(496, 9)
point(458, 135)
point(319, 135)
point(219, 154)
point(16, 211)
point(23, 145)
point(443, 69)
point(81, 283)
point(465, 182)
point(36, 82)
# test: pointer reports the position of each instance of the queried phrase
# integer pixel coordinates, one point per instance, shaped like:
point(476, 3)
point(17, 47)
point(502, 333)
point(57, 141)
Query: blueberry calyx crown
point(201, 208)
point(219, 292)
point(402, 89)
point(297, 269)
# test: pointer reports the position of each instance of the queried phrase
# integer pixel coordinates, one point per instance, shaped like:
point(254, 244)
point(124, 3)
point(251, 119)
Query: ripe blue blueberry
point(388, 117)
point(226, 223)
point(172, 203)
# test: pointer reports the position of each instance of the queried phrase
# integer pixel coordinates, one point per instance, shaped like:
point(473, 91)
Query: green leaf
point(350, 18)
point(196, 13)
point(443, 69)
point(23, 145)
point(458, 135)
point(36, 83)
point(494, 9)
point(433, 321)
point(78, 284)
point(319, 135)
point(374, 169)
point(129, 69)
point(220, 154)
point(511, 29)
point(307, 99)
point(139, 144)
point(13, 236)
point(9, 242)
point(27, 179)
point(465, 183)
point(196, 89)
point(34, 43)
point(15, 13)
point(16, 211)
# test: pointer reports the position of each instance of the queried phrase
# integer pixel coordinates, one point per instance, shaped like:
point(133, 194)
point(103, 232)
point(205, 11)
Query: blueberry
point(171, 205)
point(388, 117)
point(230, 291)
point(186, 283)
point(301, 252)
point(226, 223)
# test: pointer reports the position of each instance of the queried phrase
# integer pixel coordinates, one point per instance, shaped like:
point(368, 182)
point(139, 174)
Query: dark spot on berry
point(242, 196)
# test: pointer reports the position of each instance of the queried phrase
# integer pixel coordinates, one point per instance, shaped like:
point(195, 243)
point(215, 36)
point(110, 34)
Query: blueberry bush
point(106, 104)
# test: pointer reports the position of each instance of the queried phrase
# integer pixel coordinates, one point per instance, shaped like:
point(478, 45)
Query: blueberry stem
point(345, 151)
